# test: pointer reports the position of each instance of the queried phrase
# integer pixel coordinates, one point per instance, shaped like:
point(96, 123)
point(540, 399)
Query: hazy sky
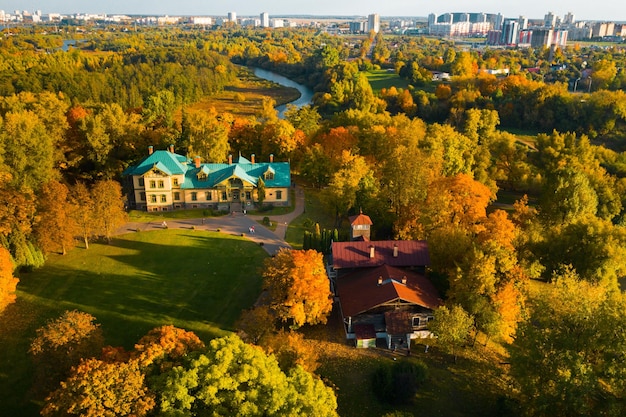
point(614, 10)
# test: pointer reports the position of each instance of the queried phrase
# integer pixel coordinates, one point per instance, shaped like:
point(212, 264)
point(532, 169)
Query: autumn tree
point(291, 349)
point(305, 118)
point(8, 283)
point(56, 226)
point(207, 136)
point(458, 200)
point(62, 343)
point(464, 65)
point(231, 378)
point(335, 141)
point(452, 327)
point(164, 347)
point(280, 138)
point(28, 149)
point(568, 197)
point(83, 213)
point(316, 165)
point(298, 287)
point(108, 207)
point(595, 248)
point(98, 388)
point(567, 357)
point(355, 177)
point(256, 323)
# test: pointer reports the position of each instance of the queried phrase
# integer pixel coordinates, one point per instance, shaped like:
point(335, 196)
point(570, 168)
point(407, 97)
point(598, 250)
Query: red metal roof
point(360, 219)
point(357, 254)
point(360, 291)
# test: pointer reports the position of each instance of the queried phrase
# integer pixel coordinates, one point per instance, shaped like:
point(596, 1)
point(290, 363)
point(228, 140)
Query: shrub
point(266, 221)
point(398, 383)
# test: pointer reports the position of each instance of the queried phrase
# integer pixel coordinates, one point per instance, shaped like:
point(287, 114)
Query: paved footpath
point(235, 224)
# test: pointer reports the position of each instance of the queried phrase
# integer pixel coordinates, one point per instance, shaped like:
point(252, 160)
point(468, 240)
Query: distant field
point(380, 79)
point(197, 280)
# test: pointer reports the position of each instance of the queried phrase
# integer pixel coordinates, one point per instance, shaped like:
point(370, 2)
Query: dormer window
point(269, 174)
point(203, 173)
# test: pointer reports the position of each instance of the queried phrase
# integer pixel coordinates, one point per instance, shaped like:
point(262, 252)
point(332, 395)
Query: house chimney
point(271, 157)
point(252, 158)
point(230, 159)
point(395, 250)
point(196, 161)
point(404, 280)
point(150, 149)
point(380, 280)
point(372, 252)
point(172, 148)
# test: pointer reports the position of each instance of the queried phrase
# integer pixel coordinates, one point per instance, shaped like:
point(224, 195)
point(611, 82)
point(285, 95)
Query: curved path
point(236, 224)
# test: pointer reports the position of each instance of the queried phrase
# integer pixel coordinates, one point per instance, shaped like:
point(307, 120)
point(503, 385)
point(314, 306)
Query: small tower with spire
point(360, 226)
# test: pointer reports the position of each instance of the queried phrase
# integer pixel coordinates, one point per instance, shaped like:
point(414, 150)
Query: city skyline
point(534, 9)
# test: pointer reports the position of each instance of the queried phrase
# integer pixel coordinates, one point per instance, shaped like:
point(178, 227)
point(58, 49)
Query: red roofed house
point(382, 290)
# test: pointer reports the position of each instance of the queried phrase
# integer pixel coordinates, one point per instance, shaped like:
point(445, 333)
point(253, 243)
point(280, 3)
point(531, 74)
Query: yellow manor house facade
point(165, 180)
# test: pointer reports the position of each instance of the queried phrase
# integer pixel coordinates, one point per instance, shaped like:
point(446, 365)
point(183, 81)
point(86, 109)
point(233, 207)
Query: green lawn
point(380, 79)
point(192, 279)
point(471, 387)
point(315, 212)
point(146, 216)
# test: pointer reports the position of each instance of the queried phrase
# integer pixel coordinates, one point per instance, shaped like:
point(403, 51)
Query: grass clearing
point(383, 78)
point(140, 281)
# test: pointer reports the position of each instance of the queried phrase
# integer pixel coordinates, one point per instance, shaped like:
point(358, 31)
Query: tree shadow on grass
point(199, 282)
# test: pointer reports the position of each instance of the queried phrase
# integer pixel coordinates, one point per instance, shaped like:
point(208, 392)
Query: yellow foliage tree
point(98, 388)
point(298, 286)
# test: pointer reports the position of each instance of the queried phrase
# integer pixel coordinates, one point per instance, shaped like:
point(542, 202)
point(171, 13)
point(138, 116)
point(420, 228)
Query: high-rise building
point(549, 20)
point(523, 22)
point(602, 29)
point(357, 27)
point(232, 17)
point(510, 32)
point(265, 20)
point(569, 19)
point(373, 22)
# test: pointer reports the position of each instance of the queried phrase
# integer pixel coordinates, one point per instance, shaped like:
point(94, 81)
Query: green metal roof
point(174, 164)
point(168, 162)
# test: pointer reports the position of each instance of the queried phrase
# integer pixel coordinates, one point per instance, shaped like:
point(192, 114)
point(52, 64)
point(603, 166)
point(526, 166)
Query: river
point(306, 94)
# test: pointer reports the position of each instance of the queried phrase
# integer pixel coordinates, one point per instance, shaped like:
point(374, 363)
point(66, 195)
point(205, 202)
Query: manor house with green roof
point(165, 180)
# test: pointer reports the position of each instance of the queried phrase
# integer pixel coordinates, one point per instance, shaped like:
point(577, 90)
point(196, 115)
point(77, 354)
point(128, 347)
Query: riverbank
point(245, 97)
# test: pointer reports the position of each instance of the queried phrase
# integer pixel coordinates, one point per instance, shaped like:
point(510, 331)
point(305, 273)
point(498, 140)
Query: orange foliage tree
point(337, 140)
point(98, 388)
point(56, 227)
point(458, 200)
point(62, 343)
point(8, 283)
point(298, 286)
point(165, 346)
